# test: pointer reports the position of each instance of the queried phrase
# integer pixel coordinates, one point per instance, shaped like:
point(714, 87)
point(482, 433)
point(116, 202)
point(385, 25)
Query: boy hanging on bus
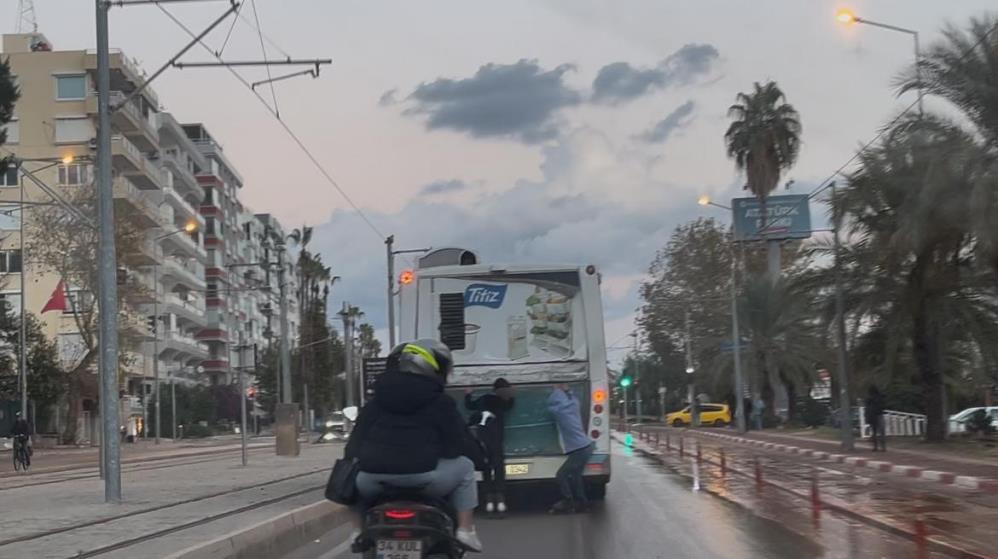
point(489, 422)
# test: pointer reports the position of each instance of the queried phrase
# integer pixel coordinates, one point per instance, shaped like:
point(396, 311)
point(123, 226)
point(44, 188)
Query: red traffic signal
point(251, 393)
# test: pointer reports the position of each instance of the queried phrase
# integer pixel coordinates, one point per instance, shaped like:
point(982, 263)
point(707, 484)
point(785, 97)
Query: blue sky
point(567, 130)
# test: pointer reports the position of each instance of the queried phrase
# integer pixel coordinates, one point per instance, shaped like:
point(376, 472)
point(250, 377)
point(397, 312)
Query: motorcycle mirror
point(351, 413)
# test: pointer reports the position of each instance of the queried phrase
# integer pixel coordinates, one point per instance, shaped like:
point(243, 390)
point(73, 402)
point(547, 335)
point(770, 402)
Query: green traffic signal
point(625, 381)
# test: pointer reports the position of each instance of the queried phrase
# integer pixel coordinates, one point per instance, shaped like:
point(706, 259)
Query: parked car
point(717, 415)
point(958, 422)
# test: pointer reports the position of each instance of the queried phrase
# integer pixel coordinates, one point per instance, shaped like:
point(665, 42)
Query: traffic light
point(251, 393)
point(625, 381)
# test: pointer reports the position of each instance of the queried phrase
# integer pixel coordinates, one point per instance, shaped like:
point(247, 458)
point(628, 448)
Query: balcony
point(213, 335)
point(144, 287)
point(191, 308)
point(146, 252)
point(127, 118)
point(176, 161)
point(134, 202)
point(183, 271)
point(181, 205)
point(184, 244)
point(129, 160)
point(185, 344)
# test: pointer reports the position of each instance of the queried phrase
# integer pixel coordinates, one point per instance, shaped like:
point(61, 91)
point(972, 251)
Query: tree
point(369, 344)
point(914, 277)
point(763, 139)
point(9, 94)
point(44, 374)
point(62, 244)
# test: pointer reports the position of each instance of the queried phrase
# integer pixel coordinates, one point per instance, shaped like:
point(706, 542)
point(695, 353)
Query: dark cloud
point(676, 120)
point(443, 186)
point(619, 82)
point(388, 98)
point(517, 101)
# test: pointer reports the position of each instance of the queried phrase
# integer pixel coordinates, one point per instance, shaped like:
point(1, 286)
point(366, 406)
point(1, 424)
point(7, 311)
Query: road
point(653, 512)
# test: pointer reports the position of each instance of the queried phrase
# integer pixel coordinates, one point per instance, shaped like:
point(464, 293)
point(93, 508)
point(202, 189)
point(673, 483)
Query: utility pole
point(155, 346)
point(840, 327)
point(285, 349)
point(173, 406)
point(348, 352)
point(690, 389)
point(389, 242)
point(242, 395)
point(637, 377)
point(107, 280)
point(24, 315)
point(736, 341)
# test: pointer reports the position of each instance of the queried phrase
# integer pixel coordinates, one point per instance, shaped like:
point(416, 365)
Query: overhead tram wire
point(297, 140)
point(270, 78)
point(231, 27)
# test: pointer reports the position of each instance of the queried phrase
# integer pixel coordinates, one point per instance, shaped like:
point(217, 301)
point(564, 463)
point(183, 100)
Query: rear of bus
point(536, 327)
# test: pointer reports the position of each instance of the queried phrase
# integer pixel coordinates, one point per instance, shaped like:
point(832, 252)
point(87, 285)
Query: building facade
point(198, 276)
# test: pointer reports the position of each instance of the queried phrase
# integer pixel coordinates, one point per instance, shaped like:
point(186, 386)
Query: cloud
point(443, 186)
point(620, 82)
point(388, 98)
point(515, 101)
point(676, 120)
point(593, 203)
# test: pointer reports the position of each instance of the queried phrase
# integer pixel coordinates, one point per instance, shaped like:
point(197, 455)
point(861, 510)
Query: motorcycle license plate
point(517, 469)
point(399, 549)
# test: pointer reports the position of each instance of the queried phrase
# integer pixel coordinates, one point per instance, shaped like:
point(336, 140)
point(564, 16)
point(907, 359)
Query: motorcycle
point(406, 525)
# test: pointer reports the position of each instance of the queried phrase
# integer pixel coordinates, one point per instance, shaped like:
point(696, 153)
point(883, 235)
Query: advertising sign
point(786, 217)
point(371, 368)
point(513, 322)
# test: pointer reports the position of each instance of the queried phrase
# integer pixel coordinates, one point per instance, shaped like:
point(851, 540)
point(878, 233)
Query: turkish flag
point(57, 302)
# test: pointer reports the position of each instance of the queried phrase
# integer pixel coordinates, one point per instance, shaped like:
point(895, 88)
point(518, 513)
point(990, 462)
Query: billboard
point(786, 217)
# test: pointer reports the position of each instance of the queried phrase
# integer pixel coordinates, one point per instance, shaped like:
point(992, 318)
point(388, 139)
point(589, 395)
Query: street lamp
point(846, 16)
point(391, 253)
point(189, 227)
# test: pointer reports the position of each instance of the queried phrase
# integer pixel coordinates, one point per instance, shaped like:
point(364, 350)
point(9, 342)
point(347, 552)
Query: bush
point(196, 431)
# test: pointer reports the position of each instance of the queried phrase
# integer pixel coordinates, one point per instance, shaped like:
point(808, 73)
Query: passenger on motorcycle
point(411, 435)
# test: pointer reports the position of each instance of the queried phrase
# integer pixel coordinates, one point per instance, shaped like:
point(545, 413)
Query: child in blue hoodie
point(566, 409)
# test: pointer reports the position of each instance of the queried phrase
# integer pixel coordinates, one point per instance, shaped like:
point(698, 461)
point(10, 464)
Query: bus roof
point(481, 269)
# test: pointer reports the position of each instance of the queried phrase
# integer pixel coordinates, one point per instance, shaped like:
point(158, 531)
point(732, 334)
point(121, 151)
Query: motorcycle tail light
point(400, 514)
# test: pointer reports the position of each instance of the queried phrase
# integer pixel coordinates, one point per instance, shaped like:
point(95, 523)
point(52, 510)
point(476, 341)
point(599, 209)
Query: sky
point(577, 131)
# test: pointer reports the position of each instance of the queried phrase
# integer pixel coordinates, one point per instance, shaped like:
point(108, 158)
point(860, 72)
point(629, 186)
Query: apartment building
point(200, 255)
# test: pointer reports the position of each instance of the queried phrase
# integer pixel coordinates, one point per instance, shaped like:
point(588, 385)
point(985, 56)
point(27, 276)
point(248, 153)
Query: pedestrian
point(565, 408)
point(874, 415)
point(747, 412)
point(489, 422)
point(758, 408)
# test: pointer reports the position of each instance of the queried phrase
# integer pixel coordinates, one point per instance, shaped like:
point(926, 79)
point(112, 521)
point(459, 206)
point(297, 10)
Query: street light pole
point(736, 342)
point(389, 242)
point(637, 378)
point(690, 389)
point(107, 280)
point(845, 419)
point(285, 349)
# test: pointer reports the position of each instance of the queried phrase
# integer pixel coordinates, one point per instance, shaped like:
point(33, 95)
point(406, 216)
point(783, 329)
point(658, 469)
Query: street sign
point(786, 217)
point(371, 368)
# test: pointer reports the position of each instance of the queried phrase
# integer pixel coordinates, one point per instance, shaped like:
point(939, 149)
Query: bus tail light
point(599, 396)
point(595, 433)
point(597, 409)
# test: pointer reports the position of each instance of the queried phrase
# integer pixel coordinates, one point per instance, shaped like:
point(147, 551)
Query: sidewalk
point(951, 519)
point(197, 501)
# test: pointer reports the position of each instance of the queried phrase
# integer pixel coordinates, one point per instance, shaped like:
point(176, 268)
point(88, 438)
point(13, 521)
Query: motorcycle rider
point(411, 435)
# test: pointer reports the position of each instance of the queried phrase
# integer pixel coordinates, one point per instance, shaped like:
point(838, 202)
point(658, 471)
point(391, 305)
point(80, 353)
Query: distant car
point(958, 422)
point(717, 415)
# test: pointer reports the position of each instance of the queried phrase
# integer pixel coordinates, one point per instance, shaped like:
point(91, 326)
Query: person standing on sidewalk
point(874, 413)
point(565, 408)
point(490, 424)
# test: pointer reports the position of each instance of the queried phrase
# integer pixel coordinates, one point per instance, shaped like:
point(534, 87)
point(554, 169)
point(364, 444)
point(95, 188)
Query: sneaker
point(490, 507)
point(470, 539)
point(562, 507)
point(501, 507)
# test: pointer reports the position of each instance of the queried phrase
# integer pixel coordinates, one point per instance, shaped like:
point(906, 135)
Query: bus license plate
point(400, 549)
point(517, 469)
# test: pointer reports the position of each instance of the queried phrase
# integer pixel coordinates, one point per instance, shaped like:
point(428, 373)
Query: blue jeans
point(570, 475)
point(453, 478)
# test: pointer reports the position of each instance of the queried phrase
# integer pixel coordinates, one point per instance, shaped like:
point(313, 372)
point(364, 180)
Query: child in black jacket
point(491, 424)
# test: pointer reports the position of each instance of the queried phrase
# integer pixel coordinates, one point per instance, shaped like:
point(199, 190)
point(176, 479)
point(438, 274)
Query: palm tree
point(963, 69)
point(370, 346)
point(913, 269)
point(764, 140)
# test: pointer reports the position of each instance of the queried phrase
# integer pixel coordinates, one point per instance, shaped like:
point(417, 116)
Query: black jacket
point(408, 426)
point(498, 407)
point(20, 427)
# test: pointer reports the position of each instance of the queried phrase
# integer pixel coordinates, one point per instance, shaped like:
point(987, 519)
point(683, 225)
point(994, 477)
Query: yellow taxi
point(717, 415)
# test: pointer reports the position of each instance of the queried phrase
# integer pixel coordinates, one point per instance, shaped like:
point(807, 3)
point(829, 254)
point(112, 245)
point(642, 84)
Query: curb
point(835, 505)
point(973, 483)
point(272, 537)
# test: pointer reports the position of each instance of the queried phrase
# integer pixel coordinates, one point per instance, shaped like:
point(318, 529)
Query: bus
point(537, 326)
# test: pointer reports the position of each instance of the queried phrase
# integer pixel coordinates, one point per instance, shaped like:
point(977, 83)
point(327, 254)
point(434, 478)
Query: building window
point(209, 225)
point(209, 196)
point(13, 130)
point(74, 174)
point(76, 300)
point(73, 130)
point(11, 301)
point(212, 291)
point(71, 87)
point(10, 217)
point(9, 177)
point(71, 349)
point(10, 261)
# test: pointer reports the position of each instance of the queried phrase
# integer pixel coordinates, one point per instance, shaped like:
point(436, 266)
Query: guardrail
point(896, 424)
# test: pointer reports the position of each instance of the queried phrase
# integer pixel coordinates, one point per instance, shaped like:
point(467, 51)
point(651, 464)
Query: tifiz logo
point(483, 295)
